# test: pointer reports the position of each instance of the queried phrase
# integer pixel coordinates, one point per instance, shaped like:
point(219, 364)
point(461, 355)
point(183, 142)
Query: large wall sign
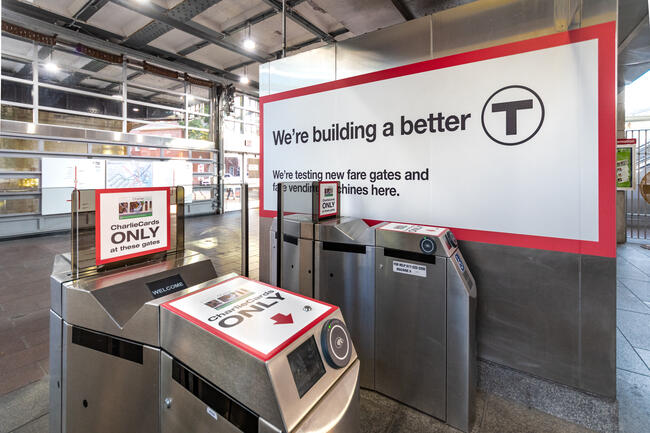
point(131, 222)
point(511, 145)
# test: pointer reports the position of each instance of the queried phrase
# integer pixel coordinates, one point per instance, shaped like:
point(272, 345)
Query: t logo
point(512, 115)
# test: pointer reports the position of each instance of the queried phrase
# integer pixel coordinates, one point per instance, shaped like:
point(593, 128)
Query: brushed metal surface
point(293, 407)
point(347, 280)
point(461, 349)
point(598, 325)
point(346, 230)
point(236, 372)
point(296, 225)
point(528, 314)
point(397, 45)
point(131, 311)
point(306, 69)
point(120, 395)
point(409, 241)
point(296, 265)
point(55, 370)
point(339, 410)
point(411, 334)
point(186, 413)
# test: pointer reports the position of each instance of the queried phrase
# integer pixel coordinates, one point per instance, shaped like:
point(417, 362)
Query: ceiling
point(210, 34)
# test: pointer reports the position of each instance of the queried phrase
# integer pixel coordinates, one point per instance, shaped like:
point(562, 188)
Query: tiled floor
point(633, 342)
point(25, 265)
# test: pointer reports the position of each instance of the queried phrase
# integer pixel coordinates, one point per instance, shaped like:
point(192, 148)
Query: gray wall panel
point(398, 45)
point(598, 325)
point(528, 309)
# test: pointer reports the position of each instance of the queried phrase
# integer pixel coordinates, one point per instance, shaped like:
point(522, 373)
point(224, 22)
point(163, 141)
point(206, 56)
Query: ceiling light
point(190, 98)
point(136, 109)
point(244, 79)
point(52, 67)
point(249, 44)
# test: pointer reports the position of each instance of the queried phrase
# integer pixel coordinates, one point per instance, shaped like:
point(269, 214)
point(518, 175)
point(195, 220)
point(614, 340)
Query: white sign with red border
point(131, 222)
point(256, 317)
point(328, 203)
point(547, 182)
point(413, 228)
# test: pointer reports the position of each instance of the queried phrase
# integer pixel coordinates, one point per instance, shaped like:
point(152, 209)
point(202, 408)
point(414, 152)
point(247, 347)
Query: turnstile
point(425, 348)
point(344, 260)
point(297, 254)
point(243, 356)
point(104, 341)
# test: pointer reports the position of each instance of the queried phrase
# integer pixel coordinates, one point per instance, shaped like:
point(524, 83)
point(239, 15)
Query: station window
point(201, 154)
point(13, 91)
point(77, 102)
point(20, 184)
point(108, 149)
point(8, 164)
point(16, 206)
point(65, 146)
point(176, 153)
point(65, 119)
point(145, 151)
point(18, 144)
point(17, 68)
point(16, 113)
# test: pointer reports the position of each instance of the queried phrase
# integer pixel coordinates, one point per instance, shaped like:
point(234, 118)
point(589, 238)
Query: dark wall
point(547, 313)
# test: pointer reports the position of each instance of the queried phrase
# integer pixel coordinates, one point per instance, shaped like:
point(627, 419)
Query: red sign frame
point(605, 34)
point(98, 216)
point(236, 342)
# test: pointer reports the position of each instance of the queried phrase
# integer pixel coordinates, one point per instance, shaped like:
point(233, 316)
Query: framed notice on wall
point(131, 222)
point(625, 163)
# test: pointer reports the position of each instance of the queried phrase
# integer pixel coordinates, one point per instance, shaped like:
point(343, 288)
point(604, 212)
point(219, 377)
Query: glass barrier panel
point(12, 67)
point(17, 206)
point(64, 119)
point(56, 98)
point(176, 153)
point(108, 149)
point(195, 134)
point(202, 167)
point(18, 144)
point(19, 164)
point(100, 77)
point(253, 197)
point(13, 91)
point(19, 184)
point(20, 114)
point(201, 154)
point(232, 197)
point(83, 232)
point(145, 151)
point(65, 146)
point(203, 180)
point(202, 194)
point(198, 121)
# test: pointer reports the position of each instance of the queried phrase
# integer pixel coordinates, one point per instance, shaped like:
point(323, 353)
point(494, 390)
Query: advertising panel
point(131, 222)
point(510, 145)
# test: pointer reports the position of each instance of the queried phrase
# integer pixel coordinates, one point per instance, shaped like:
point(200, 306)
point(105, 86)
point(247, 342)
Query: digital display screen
point(306, 366)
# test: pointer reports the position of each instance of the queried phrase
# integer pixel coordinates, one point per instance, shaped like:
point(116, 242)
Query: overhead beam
point(403, 10)
point(156, 12)
point(258, 18)
point(184, 11)
point(89, 9)
point(635, 31)
point(159, 57)
point(300, 20)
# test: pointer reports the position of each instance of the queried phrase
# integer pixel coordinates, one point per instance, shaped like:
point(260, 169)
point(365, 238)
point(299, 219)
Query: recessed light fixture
point(136, 109)
point(244, 79)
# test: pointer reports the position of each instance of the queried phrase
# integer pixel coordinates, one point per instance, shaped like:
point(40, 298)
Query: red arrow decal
point(281, 319)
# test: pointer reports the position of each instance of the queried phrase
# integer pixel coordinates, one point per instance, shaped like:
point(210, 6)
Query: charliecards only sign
point(510, 145)
point(254, 316)
point(131, 222)
point(328, 203)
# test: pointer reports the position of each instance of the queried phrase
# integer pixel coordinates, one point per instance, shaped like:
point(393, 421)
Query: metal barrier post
point(280, 234)
point(244, 229)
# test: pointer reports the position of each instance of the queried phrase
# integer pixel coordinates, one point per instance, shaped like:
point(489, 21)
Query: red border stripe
point(605, 34)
